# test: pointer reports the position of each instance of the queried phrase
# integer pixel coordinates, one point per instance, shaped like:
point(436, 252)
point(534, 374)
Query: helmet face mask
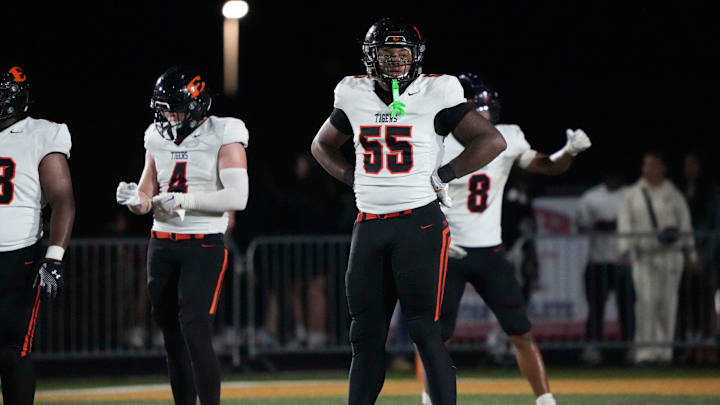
point(179, 103)
point(393, 49)
point(14, 93)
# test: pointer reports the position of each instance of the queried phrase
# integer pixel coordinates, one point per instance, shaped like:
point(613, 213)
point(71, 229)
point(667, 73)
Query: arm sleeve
point(233, 196)
point(340, 121)
point(446, 120)
point(235, 131)
point(58, 141)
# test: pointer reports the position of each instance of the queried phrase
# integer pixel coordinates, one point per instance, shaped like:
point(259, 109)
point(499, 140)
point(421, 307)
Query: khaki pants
point(656, 276)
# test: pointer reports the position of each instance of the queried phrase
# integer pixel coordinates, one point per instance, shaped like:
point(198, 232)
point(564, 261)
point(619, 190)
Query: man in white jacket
point(653, 206)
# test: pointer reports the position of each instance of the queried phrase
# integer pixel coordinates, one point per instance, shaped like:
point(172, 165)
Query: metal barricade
point(287, 276)
point(104, 310)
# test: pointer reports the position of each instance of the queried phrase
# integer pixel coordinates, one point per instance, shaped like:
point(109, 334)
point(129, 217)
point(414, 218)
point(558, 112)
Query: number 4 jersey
point(192, 167)
point(23, 146)
point(477, 197)
point(395, 156)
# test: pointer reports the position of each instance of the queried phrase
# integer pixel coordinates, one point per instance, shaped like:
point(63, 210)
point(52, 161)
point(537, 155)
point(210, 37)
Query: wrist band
point(55, 252)
point(446, 173)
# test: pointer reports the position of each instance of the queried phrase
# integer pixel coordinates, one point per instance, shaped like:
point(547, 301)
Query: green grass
point(465, 400)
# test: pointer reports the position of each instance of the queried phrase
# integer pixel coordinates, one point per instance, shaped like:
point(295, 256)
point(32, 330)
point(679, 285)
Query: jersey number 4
point(7, 173)
point(400, 155)
point(479, 186)
point(178, 179)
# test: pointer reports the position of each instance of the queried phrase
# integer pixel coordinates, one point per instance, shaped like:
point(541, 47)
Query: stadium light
point(233, 11)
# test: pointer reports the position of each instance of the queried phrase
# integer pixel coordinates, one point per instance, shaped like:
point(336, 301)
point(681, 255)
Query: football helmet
point(483, 96)
point(393, 33)
point(14, 92)
point(183, 93)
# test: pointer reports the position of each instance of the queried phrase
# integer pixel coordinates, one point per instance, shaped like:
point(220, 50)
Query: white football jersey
point(192, 167)
point(476, 211)
point(23, 146)
point(395, 157)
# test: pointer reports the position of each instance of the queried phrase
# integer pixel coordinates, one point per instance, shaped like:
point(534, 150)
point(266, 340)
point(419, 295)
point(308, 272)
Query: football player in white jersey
point(397, 119)
point(477, 255)
point(195, 172)
point(33, 172)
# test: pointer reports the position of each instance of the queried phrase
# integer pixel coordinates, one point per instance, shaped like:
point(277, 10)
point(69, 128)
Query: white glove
point(170, 204)
point(127, 194)
point(577, 141)
point(455, 251)
point(441, 189)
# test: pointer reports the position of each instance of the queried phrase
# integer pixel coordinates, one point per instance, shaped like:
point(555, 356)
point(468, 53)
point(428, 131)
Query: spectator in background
point(598, 212)
point(654, 206)
point(696, 294)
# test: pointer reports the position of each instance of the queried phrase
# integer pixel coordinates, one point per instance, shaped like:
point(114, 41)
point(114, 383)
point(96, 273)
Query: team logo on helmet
point(17, 74)
point(196, 86)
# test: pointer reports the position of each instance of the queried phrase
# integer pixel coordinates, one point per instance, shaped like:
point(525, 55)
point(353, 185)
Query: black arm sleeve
point(446, 120)
point(341, 121)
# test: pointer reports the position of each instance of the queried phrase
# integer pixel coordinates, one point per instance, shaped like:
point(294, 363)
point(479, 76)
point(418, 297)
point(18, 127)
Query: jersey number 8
point(7, 173)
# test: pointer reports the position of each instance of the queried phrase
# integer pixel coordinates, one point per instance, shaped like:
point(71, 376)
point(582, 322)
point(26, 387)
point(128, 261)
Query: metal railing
point(286, 295)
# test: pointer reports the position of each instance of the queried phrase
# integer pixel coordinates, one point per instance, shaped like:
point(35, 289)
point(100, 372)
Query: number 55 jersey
point(395, 156)
point(23, 146)
point(476, 211)
point(192, 167)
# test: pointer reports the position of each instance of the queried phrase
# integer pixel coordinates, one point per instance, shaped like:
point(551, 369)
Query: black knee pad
point(9, 356)
point(447, 329)
point(516, 326)
point(423, 329)
point(364, 338)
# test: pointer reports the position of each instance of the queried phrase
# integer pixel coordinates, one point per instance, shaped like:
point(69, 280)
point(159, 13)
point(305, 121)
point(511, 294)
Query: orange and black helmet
point(393, 33)
point(14, 92)
point(180, 90)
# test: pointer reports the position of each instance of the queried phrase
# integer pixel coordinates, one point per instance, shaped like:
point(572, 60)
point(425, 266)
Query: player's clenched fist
point(127, 194)
point(577, 141)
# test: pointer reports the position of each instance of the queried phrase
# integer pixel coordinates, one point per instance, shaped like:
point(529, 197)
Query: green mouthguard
point(398, 108)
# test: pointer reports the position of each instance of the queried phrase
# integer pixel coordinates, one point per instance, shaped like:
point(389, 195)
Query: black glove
point(50, 278)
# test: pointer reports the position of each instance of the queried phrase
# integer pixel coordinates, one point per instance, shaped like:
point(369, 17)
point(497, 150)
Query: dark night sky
point(634, 75)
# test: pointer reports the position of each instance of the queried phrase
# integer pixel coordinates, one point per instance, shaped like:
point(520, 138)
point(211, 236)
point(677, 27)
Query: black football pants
point(401, 258)
point(19, 307)
point(184, 278)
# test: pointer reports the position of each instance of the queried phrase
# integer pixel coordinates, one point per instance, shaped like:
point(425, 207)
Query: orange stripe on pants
point(27, 346)
point(213, 307)
point(442, 271)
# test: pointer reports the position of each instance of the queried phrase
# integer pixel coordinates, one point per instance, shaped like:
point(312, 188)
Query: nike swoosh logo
point(412, 94)
point(14, 132)
point(425, 226)
point(29, 262)
point(207, 246)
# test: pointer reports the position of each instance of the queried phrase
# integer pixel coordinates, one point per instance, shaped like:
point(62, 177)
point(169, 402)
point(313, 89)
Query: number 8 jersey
point(192, 167)
point(395, 156)
point(476, 211)
point(23, 146)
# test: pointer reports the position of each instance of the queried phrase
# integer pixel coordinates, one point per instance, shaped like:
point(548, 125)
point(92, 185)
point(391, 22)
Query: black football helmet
point(14, 92)
point(394, 33)
point(483, 96)
point(181, 91)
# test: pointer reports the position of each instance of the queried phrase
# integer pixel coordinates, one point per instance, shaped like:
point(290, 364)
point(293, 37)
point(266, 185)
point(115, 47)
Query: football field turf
point(581, 386)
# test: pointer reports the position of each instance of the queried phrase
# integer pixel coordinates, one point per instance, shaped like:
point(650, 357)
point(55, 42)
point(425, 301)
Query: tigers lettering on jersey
point(477, 197)
point(395, 156)
point(192, 167)
point(23, 146)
